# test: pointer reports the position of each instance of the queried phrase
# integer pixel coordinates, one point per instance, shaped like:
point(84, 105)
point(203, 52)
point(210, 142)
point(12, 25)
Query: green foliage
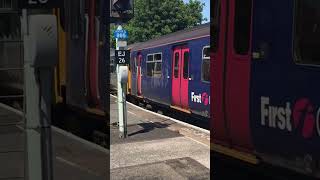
point(154, 18)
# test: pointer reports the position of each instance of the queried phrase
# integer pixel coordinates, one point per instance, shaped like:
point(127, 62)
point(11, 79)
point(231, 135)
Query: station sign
point(120, 34)
point(39, 4)
point(122, 56)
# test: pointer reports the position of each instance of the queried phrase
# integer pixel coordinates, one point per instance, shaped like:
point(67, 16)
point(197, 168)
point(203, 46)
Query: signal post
point(121, 11)
point(122, 58)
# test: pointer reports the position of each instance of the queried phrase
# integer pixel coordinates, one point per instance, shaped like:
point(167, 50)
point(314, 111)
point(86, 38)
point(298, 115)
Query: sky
point(206, 9)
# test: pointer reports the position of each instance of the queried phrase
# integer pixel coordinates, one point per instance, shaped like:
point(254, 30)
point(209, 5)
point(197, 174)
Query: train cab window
point(307, 32)
point(242, 26)
point(154, 65)
point(186, 65)
point(205, 69)
point(176, 65)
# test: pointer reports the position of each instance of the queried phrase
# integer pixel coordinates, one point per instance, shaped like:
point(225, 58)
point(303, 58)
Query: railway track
point(76, 121)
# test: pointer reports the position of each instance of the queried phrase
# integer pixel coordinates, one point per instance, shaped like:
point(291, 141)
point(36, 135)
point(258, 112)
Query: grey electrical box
point(123, 74)
point(42, 40)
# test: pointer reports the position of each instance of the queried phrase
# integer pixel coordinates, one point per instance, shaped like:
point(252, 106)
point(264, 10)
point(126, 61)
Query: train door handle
point(256, 55)
point(262, 52)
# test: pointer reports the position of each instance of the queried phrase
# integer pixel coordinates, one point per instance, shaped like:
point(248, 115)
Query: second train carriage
point(81, 74)
point(174, 70)
point(265, 95)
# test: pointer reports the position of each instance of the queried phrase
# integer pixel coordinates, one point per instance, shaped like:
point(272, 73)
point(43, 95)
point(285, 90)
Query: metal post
point(33, 138)
point(122, 111)
point(46, 80)
point(37, 91)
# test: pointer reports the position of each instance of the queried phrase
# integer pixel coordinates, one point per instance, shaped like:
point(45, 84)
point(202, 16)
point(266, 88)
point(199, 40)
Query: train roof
point(176, 37)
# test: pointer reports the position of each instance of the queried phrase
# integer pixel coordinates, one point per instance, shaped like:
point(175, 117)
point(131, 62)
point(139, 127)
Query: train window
point(134, 65)
point(242, 26)
point(98, 8)
point(157, 65)
point(186, 65)
point(205, 69)
point(216, 22)
point(74, 19)
point(149, 58)
point(176, 65)
point(154, 65)
point(150, 65)
point(307, 32)
point(157, 69)
point(157, 57)
point(206, 52)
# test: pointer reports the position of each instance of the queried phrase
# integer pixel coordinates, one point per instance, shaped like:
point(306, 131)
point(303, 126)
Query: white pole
point(33, 156)
point(122, 112)
point(37, 97)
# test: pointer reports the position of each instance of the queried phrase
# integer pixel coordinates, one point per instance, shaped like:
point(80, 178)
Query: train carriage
point(81, 76)
point(264, 71)
point(173, 70)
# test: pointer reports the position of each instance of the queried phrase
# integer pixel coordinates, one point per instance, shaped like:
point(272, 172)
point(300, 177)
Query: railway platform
point(73, 158)
point(157, 147)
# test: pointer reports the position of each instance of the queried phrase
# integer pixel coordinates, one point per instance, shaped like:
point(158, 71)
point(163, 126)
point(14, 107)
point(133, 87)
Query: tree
point(154, 18)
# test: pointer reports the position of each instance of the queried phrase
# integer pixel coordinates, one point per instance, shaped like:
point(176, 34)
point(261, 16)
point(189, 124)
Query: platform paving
point(73, 158)
point(156, 148)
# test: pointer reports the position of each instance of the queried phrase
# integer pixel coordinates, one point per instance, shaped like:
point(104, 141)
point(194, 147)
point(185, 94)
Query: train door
point(139, 74)
point(93, 44)
point(180, 77)
point(238, 72)
point(232, 71)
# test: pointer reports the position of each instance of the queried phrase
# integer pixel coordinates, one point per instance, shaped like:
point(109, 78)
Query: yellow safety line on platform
point(181, 109)
point(247, 157)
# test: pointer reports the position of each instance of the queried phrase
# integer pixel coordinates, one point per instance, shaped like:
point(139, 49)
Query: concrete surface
point(73, 159)
point(178, 169)
point(156, 148)
point(130, 154)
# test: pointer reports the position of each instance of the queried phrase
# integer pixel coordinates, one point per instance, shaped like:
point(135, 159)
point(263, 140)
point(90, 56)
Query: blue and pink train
point(174, 70)
point(265, 91)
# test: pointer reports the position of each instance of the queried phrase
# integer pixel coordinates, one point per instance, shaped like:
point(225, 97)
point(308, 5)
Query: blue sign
point(120, 34)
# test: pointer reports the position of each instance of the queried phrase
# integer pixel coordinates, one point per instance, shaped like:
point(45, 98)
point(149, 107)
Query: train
point(265, 101)
point(81, 74)
point(173, 71)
